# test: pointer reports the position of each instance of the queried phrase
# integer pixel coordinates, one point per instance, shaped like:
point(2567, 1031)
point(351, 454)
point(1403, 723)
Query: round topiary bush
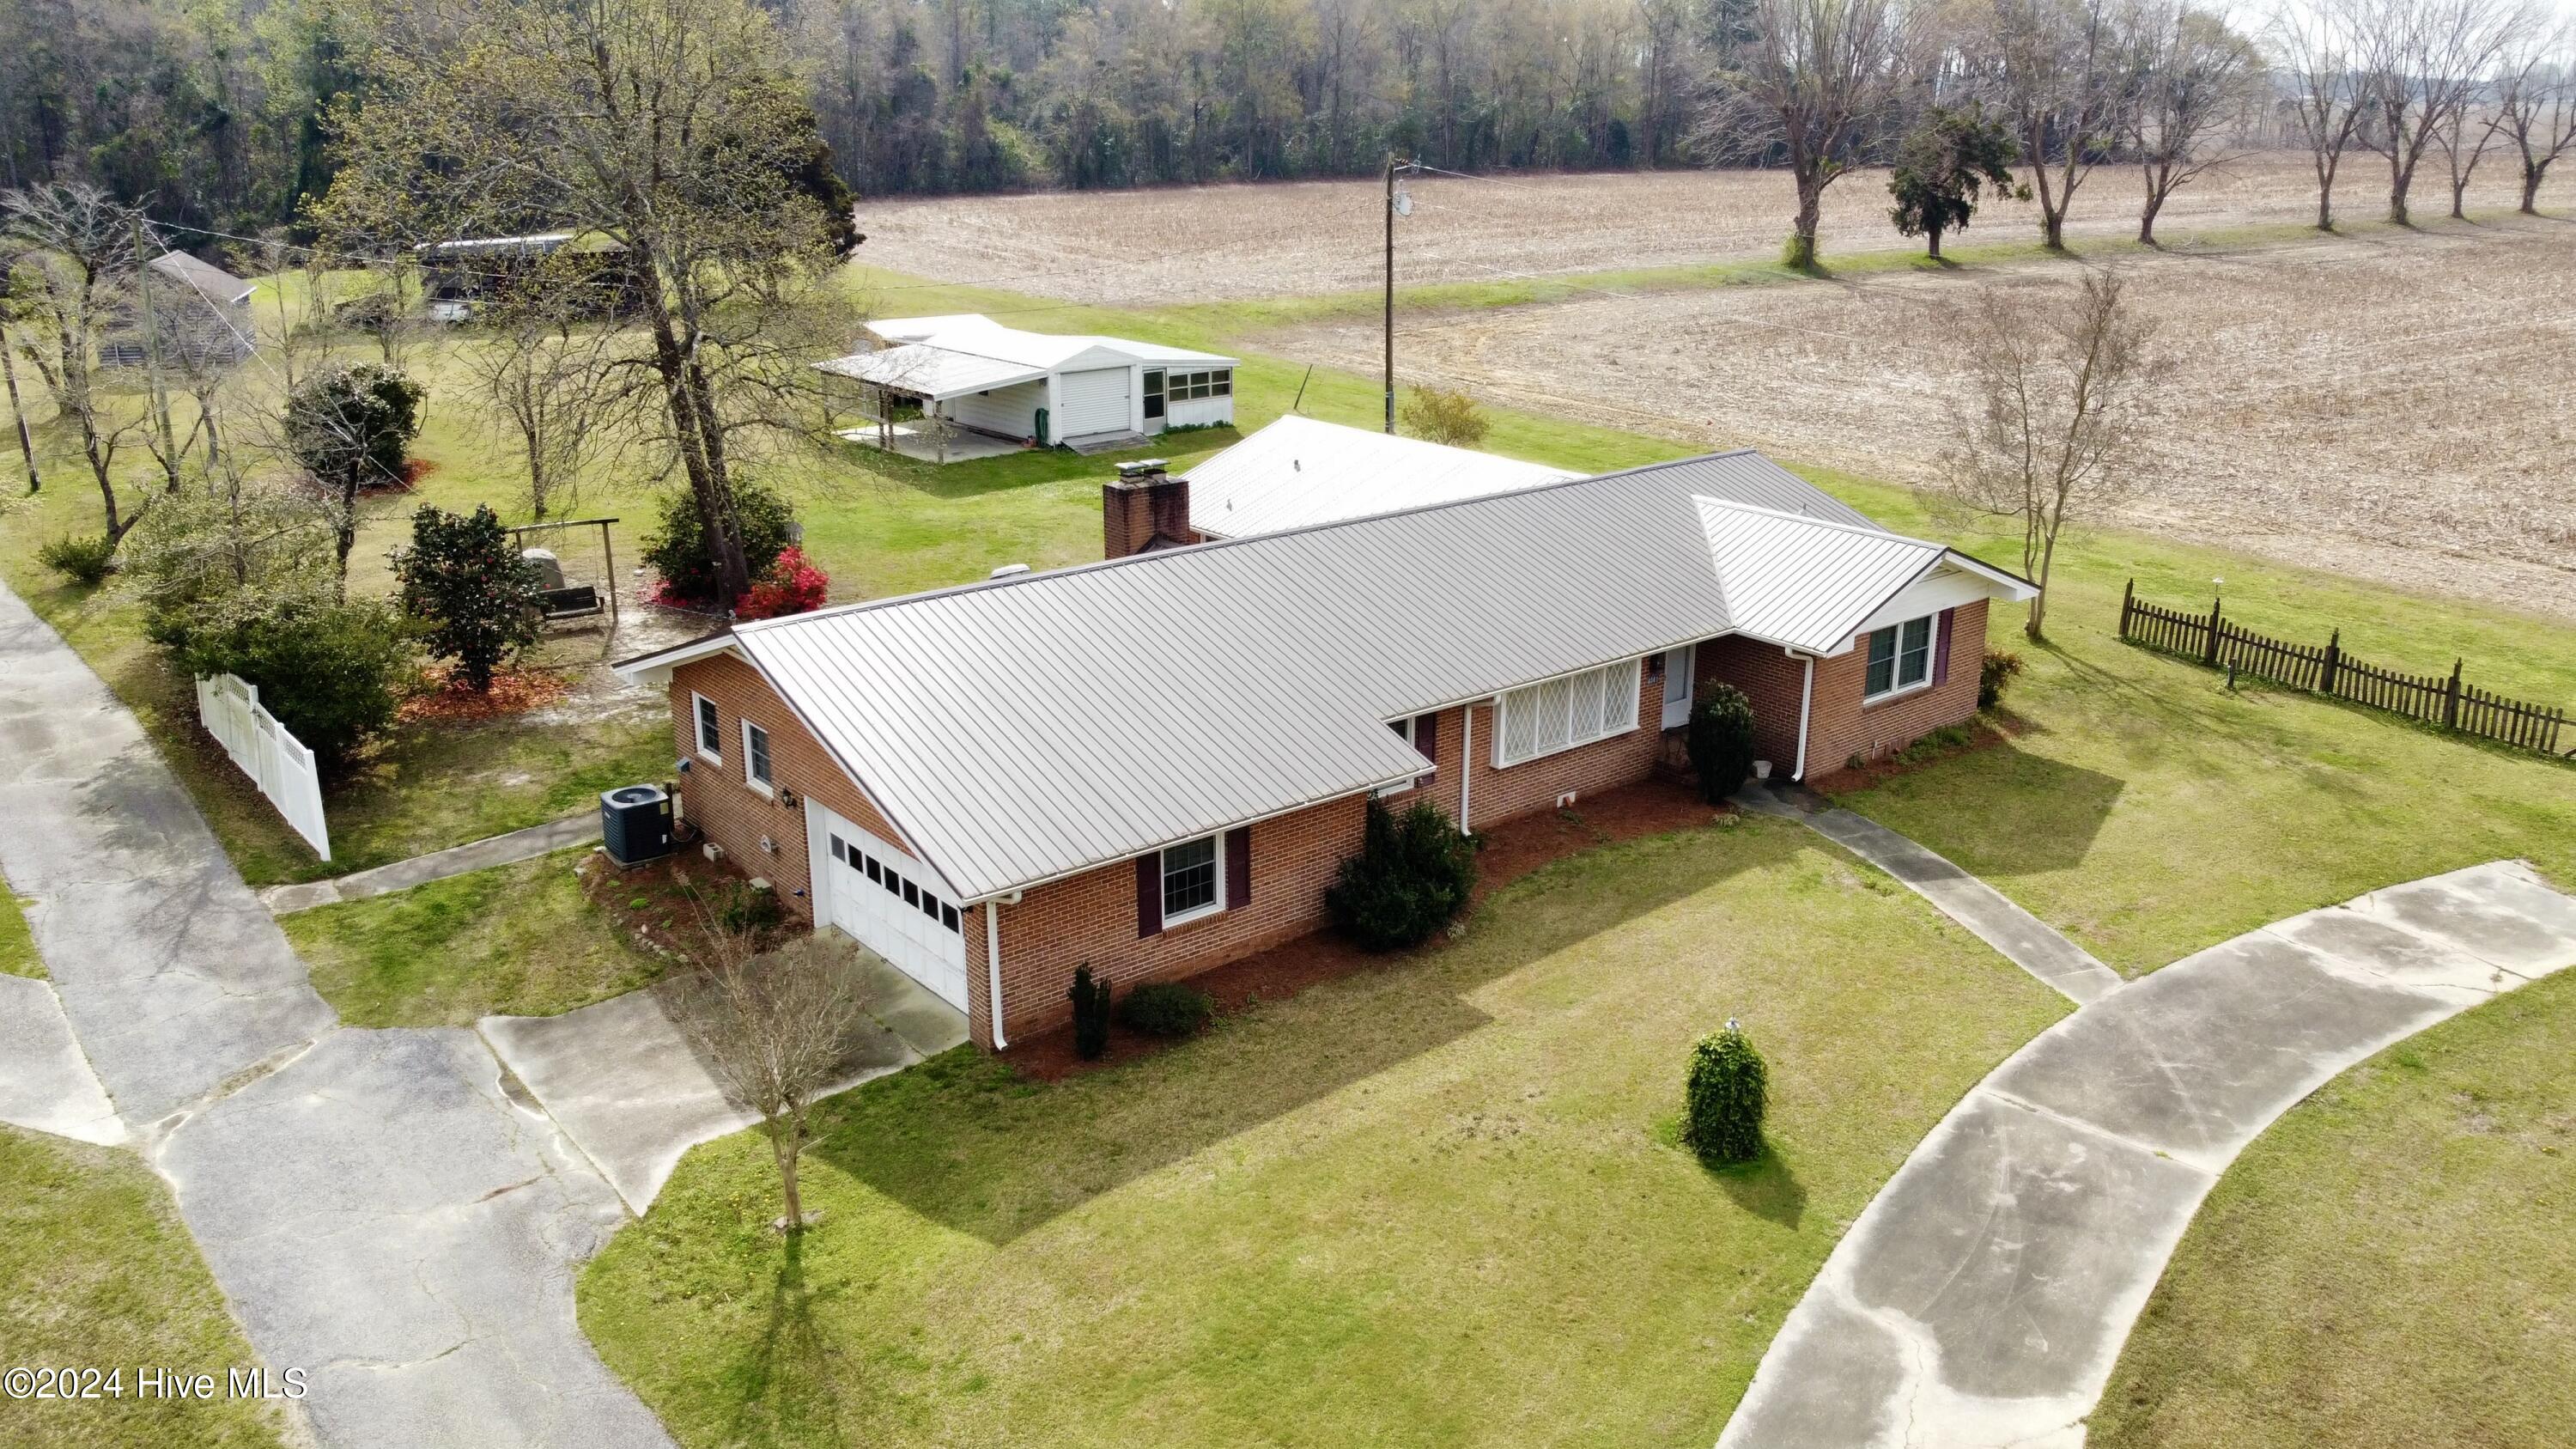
point(1721, 740)
point(1725, 1097)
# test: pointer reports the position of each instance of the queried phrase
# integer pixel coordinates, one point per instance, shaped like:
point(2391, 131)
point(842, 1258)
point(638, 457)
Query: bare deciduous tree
point(2536, 104)
point(2053, 68)
point(73, 276)
point(776, 1031)
point(2194, 79)
point(549, 381)
point(2316, 44)
point(2422, 62)
point(2055, 412)
point(1810, 79)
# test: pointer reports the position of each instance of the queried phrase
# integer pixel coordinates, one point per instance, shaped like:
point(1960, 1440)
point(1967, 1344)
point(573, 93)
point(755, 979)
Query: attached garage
point(1095, 400)
point(890, 903)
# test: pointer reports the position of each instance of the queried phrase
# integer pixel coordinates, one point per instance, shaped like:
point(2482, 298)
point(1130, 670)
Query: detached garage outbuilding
point(970, 374)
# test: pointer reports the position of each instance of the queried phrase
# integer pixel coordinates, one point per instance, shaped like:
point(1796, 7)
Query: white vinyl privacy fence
point(276, 761)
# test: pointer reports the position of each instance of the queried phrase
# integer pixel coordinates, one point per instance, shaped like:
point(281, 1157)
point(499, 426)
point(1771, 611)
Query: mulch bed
point(1511, 850)
point(513, 691)
point(1984, 733)
point(656, 904)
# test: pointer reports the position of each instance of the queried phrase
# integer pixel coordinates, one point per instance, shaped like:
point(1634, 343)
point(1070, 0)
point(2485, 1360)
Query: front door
point(1677, 685)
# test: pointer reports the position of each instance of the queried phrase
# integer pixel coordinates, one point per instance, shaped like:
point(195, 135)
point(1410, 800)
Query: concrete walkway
point(45, 1082)
point(1982, 1299)
point(626, 1084)
point(374, 1209)
point(2024, 939)
point(474, 855)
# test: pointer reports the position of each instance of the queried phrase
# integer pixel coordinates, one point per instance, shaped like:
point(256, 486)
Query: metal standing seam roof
point(1301, 471)
point(933, 372)
point(1023, 729)
point(981, 335)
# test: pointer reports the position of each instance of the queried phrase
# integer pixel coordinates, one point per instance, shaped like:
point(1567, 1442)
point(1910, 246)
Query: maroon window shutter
point(1426, 736)
point(1941, 648)
point(1238, 868)
point(1149, 893)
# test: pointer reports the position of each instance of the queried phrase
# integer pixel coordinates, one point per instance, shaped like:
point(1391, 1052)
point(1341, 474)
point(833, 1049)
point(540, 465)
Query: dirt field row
point(2398, 407)
point(1198, 244)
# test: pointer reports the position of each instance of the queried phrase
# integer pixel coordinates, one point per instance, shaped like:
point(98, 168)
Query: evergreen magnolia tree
point(350, 428)
point(674, 131)
point(479, 601)
point(1725, 1098)
point(1942, 164)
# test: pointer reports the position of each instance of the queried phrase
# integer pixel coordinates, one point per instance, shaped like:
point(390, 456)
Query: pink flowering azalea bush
point(791, 585)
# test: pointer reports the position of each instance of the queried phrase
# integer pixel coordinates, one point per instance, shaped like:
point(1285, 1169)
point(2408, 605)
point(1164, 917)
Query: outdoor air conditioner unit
point(635, 823)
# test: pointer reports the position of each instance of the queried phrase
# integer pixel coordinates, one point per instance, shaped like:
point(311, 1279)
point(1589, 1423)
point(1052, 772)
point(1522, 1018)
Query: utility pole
point(1390, 292)
point(18, 410)
point(152, 357)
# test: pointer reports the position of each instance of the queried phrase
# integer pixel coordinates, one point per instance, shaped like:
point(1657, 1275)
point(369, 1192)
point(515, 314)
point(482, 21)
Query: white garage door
point(880, 895)
point(1094, 402)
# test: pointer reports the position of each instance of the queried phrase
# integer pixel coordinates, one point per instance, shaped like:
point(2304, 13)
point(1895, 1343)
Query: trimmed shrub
point(83, 560)
point(793, 586)
point(680, 553)
point(1996, 670)
point(480, 601)
point(1412, 876)
point(351, 427)
point(1721, 740)
point(1724, 1098)
point(1167, 1009)
point(1090, 998)
point(333, 673)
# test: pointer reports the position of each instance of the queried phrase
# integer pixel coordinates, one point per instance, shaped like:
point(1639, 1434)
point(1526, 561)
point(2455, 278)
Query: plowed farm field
point(2398, 406)
point(1180, 245)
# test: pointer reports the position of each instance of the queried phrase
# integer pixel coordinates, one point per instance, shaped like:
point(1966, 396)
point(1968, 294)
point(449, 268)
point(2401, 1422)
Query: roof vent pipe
point(1008, 570)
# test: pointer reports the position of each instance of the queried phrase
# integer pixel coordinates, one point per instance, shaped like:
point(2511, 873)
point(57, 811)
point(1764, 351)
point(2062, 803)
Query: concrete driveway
point(375, 1211)
point(628, 1085)
point(1982, 1299)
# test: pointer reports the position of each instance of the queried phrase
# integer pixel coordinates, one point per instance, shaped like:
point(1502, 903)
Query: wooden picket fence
point(2436, 699)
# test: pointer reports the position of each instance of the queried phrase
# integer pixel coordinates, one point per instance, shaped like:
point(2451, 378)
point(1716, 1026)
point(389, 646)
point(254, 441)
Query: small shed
point(967, 372)
point(202, 311)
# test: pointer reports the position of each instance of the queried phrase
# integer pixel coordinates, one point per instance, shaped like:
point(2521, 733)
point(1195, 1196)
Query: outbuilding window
point(755, 758)
point(1154, 393)
point(710, 734)
point(1561, 713)
point(1900, 659)
point(1192, 884)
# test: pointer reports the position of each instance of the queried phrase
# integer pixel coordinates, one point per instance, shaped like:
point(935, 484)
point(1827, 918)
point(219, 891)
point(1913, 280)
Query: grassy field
point(518, 940)
point(2389, 1265)
point(17, 948)
point(1429, 1204)
point(96, 1269)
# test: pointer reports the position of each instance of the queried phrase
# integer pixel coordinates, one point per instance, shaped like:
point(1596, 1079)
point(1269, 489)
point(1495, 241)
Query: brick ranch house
point(1154, 764)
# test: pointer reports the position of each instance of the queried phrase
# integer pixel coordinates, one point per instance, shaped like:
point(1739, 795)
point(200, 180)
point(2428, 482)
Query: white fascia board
point(654, 670)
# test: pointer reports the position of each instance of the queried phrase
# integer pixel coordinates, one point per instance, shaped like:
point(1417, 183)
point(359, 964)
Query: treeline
point(216, 108)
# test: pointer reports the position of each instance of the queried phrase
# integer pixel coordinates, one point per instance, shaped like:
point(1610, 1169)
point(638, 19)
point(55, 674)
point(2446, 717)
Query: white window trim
point(1636, 670)
point(1931, 664)
point(699, 704)
point(1216, 844)
point(1403, 730)
point(765, 788)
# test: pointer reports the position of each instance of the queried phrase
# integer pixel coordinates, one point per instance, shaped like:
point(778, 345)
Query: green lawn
point(1429, 1204)
point(2149, 812)
point(17, 948)
point(96, 1270)
point(2391, 1264)
point(517, 940)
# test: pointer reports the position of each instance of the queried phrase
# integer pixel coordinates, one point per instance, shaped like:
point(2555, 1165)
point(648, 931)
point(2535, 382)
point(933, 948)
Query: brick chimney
point(1144, 507)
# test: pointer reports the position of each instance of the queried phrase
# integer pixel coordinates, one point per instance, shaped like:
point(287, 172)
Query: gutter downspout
point(1466, 763)
point(1806, 708)
point(993, 960)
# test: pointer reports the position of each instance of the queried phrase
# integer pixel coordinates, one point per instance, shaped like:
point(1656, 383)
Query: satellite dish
point(1403, 200)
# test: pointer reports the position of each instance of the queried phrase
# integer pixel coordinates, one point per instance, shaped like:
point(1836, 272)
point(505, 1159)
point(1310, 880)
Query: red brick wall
point(1091, 918)
point(732, 814)
point(1772, 682)
point(1840, 725)
point(1132, 512)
